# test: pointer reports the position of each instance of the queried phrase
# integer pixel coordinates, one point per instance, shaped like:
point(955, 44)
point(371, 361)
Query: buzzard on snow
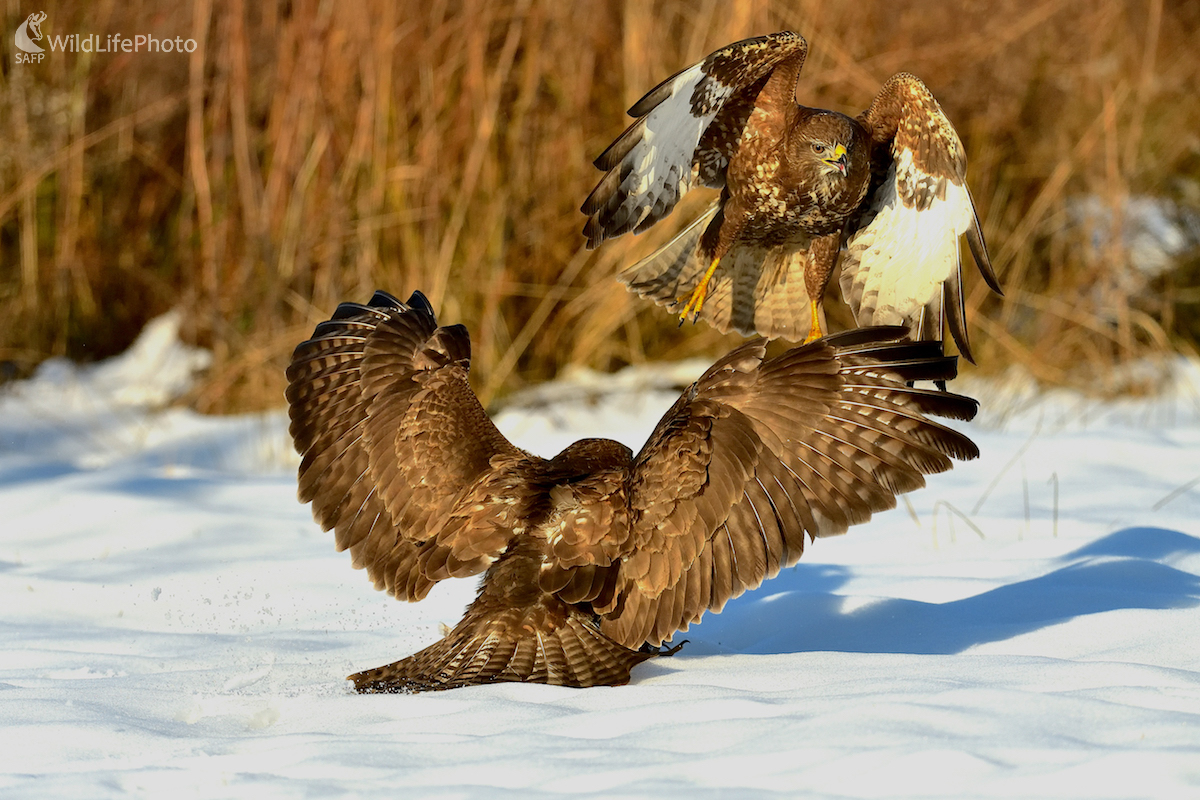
point(799, 186)
point(593, 558)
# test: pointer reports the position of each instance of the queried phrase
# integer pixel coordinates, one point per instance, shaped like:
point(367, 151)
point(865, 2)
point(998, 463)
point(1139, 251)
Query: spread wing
point(687, 128)
point(399, 458)
point(902, 263)
point(759, 453)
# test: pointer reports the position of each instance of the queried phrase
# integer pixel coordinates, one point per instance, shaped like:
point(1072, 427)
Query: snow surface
point(175, 625)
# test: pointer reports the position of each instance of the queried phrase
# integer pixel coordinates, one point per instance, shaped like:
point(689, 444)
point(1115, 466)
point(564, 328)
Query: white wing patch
point(671, 146)
point(662, 161)
point(895, 266)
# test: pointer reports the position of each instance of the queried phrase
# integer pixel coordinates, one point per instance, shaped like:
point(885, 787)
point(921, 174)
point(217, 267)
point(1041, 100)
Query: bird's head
point(588, 456)
point(832, 155)
point(826, 142)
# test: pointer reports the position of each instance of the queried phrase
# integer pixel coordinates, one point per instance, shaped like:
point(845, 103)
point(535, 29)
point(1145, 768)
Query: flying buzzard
point(799, 186)
point(594, 557)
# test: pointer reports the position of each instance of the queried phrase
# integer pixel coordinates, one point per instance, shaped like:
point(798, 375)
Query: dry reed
point(308, 152)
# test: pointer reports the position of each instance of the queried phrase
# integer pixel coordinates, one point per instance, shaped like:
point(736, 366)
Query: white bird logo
point(33, 23)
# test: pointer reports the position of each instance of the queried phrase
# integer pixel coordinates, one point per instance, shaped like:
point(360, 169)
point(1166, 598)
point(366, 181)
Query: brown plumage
point(593, 558)
point(799, 187)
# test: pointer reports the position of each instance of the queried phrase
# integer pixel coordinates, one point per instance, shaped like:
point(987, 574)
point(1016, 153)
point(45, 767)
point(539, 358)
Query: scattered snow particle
point(263, 719)
point(190, 715)
point(248, 678)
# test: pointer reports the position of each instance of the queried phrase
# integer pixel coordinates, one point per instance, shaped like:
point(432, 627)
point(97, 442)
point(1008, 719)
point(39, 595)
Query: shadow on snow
point(1121, 571)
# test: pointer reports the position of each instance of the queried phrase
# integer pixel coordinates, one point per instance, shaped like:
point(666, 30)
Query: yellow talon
point(814, 329)
point(696, 300)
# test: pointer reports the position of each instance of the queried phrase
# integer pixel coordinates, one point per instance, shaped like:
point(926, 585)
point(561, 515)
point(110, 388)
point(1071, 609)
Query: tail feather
point(674, 269)
point(756, 291)
point(494, 649)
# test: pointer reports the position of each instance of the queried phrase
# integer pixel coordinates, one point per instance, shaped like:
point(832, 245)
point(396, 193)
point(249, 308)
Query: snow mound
point(154, 371)
point(119, 410)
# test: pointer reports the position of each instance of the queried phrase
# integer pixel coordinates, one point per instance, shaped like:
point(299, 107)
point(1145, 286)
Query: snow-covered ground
point(175, 625)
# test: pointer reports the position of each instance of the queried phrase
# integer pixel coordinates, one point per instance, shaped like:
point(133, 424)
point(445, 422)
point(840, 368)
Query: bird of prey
point(595, 557)
point(799, 186)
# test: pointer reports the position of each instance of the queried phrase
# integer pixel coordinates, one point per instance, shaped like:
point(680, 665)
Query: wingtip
point(418, 301)
point(855, 337)
point(382, 299)
point(956, 315)
point(982, 260)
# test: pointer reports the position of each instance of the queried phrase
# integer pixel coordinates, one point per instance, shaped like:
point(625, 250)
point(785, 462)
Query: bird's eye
point(819, 148)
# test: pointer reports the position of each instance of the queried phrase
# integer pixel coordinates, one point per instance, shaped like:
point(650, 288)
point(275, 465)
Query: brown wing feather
point(759, 453)
point(393, 442)
point(686, 131)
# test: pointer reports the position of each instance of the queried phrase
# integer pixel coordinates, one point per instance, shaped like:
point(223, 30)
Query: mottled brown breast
point(790, 192)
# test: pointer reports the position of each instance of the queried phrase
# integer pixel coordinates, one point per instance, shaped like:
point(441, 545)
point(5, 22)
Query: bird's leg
point(661, 651)
point(814, 328)
point(716, 239)
point(822, 255)
point(696, 298)
point(670, 651)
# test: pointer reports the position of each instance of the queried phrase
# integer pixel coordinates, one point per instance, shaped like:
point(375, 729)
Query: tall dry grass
point(308, 152)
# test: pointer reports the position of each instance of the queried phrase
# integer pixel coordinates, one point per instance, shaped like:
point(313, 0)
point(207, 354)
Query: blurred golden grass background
point(308, 152)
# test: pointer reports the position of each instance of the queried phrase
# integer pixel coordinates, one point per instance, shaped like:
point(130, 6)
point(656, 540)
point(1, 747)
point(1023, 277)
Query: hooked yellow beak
point(838, 159)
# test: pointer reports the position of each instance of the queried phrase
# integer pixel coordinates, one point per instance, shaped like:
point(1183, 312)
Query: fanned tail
point(674, 269)
point(756, 291)
point(516, 645)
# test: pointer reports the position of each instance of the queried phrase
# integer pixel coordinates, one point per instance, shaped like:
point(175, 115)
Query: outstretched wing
point(687, 129)
point(759, 453)
point(902, 262)
point(399, 458)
